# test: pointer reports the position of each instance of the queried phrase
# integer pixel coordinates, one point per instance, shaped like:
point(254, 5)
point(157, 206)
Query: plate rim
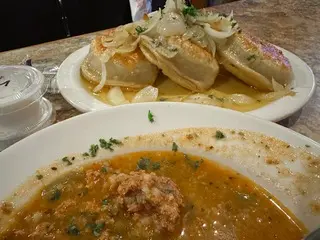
point(265, 109)
point(155, 105)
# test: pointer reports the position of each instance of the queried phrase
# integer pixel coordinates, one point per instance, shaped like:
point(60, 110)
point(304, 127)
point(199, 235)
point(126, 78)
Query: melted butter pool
point(225, 85)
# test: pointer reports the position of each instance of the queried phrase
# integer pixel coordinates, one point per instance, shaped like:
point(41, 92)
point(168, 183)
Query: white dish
point(77, 134)
point(303, 84)
point(23, 110)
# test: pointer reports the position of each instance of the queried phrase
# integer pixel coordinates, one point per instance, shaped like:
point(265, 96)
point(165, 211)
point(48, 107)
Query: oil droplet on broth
point(225, 85)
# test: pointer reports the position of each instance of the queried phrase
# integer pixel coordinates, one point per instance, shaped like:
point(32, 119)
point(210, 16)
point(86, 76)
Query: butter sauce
point(225, 85)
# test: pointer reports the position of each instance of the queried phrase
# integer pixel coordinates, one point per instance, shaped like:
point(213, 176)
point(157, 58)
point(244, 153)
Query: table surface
point(291, 24)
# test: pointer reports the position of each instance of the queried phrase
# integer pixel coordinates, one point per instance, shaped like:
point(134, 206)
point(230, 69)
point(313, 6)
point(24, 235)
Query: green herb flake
point(104, 169)
point(174, 147)
point(39, 176)
point(97, 229)
point(115, 141)
point(143, 163)
point(146, 164)
point(190, 10)
point(55, 195)
point(85, 154)
point(140, 29)
point(307, 146)
point(66, 160)
point(233, 24)
point(219, 135)
point(241, 134)
point(251, 57)
point(106, 145)
point(150, 116)
point(93, 150)
point(73, 230)
point(155, 166)
point(105, 202)
point(194, 164)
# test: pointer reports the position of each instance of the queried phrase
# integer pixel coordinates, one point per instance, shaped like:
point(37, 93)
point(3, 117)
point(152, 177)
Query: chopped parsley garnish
point(219, 135)
point(241, 133)
point(39, 176)
point(85, 154)
point(73, 230)
point(150, 116)
point(146, 164)
point(115, 141)
point(251, 57)
point(307, 146)
point(66, 160)
point(105, 202)
point(97, 229)
point(174, 147)
point(155, 166)
point(93, 150)
point(233, 24)
point(104, 169)
point(194, 164)
point(140, 29)
point(108, 144)
point(190, 10)
point(143, 163)
point(55, 194)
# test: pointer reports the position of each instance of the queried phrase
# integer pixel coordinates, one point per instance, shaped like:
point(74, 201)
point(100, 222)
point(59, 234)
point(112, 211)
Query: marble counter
point(291, 24)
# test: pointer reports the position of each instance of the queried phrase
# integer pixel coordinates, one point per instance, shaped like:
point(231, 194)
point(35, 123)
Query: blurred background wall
point(26, 23)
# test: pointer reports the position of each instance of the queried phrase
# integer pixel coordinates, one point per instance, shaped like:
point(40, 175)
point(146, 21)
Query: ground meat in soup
point(151, 199)
point(153, 195)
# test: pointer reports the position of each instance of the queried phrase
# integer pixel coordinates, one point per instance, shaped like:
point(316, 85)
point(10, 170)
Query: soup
point(154, 195)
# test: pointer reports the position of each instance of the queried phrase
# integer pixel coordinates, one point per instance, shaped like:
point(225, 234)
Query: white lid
point(19, 87)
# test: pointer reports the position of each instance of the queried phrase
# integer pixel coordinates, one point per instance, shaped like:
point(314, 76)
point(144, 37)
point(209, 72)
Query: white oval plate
point(69, 83)
point(75, 135)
